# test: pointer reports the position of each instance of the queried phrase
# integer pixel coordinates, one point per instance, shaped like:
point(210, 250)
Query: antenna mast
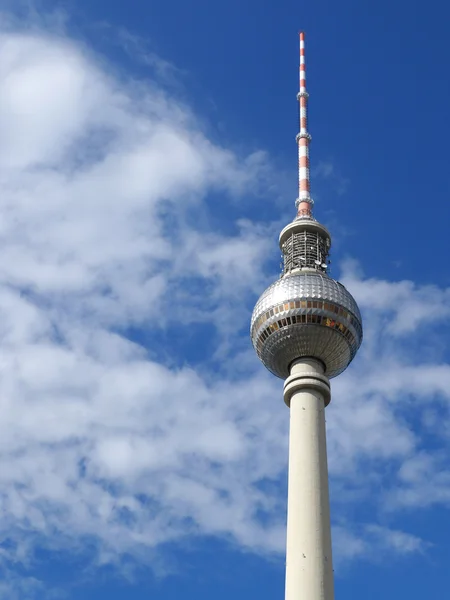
point(304, 201)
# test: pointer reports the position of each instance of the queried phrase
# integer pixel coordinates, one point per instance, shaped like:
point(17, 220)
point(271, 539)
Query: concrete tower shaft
point(309, 563)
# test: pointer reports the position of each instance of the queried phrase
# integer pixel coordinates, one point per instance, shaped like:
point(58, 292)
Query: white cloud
point(375, 543)
point(99, 181)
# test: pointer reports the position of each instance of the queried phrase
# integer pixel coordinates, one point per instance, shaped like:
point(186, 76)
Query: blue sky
point(147, 164)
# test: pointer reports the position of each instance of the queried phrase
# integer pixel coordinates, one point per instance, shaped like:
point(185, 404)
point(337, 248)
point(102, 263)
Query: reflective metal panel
point(306, 314)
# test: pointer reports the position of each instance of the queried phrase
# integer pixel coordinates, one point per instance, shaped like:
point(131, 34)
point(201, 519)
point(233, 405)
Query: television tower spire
point(304, 201)
point(306, 328)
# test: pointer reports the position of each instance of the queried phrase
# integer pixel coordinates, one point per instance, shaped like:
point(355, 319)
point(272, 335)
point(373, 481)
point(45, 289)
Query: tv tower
point(306, 328)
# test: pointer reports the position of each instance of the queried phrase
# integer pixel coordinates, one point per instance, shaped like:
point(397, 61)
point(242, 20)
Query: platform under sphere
point(306, 314)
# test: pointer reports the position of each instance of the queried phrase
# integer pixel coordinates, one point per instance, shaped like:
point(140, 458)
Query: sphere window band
point(309, 304)
point(307, 318)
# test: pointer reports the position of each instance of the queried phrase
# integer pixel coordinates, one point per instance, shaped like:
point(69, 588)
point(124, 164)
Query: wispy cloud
point(374, 543)
point(100, 180)
point(328, 171)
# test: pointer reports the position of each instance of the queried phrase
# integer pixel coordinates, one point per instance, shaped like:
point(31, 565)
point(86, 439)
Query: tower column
point(309, 567)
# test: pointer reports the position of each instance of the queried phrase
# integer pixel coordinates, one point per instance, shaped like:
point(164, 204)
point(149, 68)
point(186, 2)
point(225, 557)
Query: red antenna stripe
point(304, 201)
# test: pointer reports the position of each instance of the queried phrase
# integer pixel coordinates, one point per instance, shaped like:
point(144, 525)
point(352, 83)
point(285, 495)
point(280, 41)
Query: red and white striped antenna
point(304, 201)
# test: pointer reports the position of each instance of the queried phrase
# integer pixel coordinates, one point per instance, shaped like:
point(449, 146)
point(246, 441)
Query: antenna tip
point(302, 35)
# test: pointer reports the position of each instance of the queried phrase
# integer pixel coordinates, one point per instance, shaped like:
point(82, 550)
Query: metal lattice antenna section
point(304, 201)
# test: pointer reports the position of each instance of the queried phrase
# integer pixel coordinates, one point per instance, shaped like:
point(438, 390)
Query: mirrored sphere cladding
point(306, 314)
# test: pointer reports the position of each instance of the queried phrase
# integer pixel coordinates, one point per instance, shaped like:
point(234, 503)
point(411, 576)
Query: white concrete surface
point(309, 566)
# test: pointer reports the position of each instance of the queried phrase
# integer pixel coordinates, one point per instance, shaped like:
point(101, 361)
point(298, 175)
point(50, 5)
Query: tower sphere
point(306, 314)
